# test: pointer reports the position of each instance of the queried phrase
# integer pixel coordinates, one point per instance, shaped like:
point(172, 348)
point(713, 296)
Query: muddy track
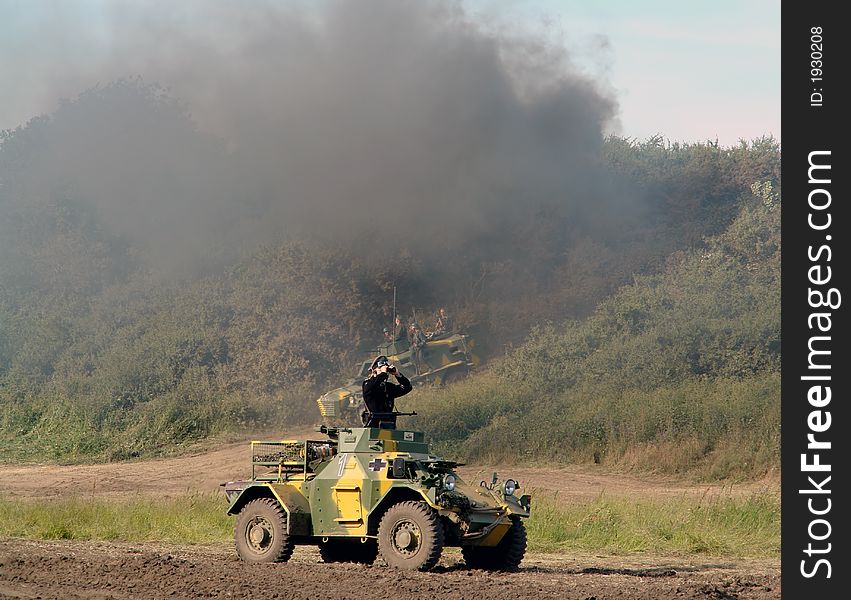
point(31, 569)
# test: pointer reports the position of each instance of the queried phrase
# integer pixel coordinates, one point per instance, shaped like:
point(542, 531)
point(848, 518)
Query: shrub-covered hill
point(677, 372)
point(152, 293)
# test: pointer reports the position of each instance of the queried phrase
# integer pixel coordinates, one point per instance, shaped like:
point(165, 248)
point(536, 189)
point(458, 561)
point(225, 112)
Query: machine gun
point(386, 420)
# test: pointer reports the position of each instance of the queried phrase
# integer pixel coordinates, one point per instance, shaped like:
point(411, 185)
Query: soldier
point(387, 336)
point(380, 395)
point(444, 323)
point(398, 329)
point(418, 342)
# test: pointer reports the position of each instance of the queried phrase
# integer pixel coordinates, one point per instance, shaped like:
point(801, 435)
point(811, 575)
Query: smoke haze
point(398, 123)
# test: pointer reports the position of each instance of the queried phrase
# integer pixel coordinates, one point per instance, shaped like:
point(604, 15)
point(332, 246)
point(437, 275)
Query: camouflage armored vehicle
point(445, 358)
point(365, 491)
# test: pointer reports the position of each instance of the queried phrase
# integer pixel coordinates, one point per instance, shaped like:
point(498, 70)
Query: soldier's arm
point(371, 383)
point(404, 386)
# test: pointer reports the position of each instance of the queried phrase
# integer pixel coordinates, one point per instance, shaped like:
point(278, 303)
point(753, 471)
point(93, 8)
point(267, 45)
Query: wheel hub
point(259, 534)
point(406, 538)
point(403, 538)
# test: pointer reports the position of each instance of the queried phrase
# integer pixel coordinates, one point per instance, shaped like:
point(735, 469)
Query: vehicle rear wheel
point(349, 550)
point(410, 536)
point(505, 556)
point(261, 532)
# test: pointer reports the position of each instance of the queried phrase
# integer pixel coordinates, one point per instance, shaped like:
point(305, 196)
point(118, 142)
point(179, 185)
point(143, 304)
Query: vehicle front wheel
point(505, 556)
point(410, 536)
point(349, 550)
point(261, 532)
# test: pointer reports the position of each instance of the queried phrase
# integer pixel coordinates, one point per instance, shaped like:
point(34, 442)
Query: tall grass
point(189, 519)
point(708, 429)
point(718, 526)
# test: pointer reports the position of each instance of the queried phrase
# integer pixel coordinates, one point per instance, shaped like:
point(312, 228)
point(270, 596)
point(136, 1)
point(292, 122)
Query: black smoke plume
point(403, 124)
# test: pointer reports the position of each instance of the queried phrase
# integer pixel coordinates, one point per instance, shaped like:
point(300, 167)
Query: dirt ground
point(205, 470)
point(30, 569)
point(98, 570)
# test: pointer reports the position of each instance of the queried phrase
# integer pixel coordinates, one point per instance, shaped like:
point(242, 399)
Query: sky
point(688, 71)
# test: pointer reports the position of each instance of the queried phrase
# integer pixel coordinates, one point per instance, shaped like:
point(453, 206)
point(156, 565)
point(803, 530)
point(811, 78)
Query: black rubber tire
point(505, 556)
point(349, 550)
point(410, 536)
point(260, 533)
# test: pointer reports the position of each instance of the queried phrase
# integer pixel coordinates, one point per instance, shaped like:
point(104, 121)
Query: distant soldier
point(418, 342)
point(380, 395)
point(387, 336)
point(398, 329)
point(444, 323)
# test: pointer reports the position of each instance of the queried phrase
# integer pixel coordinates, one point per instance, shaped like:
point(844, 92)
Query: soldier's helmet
point(379, 362)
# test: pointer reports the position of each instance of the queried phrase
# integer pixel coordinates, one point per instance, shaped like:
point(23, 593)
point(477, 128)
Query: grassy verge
point(190, 519)
point(721, 526)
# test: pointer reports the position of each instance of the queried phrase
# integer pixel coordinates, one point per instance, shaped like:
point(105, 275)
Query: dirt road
point(205, 470)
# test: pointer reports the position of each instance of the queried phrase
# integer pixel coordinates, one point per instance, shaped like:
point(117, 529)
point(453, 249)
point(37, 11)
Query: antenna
point(393, 316)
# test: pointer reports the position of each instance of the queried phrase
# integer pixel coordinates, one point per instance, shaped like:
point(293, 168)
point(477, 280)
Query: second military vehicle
point(445, 358)
point(365, 491)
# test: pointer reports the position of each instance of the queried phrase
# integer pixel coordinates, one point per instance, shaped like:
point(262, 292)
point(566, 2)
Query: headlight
point(509, 486)
point(449, 482)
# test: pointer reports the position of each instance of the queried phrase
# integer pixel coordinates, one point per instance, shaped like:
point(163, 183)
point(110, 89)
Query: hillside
point(153, 293)
point(676, 372)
